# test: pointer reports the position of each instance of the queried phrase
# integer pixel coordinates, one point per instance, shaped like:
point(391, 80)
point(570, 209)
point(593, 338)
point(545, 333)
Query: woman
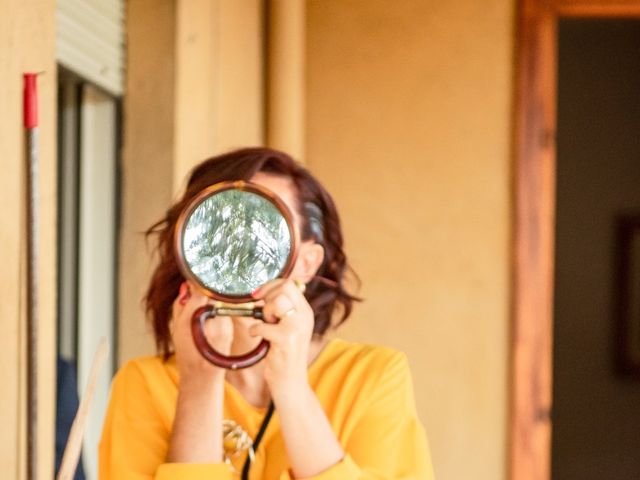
point(313, 408)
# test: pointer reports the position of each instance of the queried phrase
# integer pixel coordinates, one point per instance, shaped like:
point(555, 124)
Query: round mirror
point(236, 240)
point(231, 239)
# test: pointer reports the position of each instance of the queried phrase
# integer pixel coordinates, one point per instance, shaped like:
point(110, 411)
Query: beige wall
point(181, 106)
point(26, 45)
point(148, 143)
point(408, 124)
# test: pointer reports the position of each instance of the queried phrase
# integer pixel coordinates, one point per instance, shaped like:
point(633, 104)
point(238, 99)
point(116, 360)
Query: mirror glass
point(234, 241)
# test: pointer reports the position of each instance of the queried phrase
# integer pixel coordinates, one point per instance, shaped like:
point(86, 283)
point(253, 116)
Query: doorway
point(531, 427)
point(88, 214)
point(596, 414)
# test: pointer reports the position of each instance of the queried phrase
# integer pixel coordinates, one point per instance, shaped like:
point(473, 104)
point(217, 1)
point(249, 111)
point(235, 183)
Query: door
point(596, 408)
point(534, 225)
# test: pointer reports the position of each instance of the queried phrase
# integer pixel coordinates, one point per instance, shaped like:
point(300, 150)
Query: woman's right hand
point(191, 364)
point(196, 436)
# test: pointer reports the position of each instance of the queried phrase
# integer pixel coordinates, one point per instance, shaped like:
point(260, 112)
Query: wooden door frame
point(529, 451)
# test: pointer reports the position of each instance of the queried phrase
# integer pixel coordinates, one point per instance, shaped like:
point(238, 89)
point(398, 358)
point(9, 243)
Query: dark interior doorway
point(596, 410)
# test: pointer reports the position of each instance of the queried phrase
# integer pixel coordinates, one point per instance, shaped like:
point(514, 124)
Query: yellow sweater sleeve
point(134, 441)
point(388, 442)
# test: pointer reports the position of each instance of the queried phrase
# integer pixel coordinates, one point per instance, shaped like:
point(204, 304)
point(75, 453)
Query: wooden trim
point(595, 8)
point(534, 184)
point(531, 349)
point(598, 11)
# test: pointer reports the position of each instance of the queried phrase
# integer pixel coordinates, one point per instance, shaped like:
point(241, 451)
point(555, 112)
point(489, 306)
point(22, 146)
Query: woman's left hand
point(288, 327)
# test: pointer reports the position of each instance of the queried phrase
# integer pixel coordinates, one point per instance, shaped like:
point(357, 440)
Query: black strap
point(256, 442)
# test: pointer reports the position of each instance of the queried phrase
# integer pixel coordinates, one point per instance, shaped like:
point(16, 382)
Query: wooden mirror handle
point(231, 362)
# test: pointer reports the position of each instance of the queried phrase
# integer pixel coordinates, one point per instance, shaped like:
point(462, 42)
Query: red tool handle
point(233, 362)
point(30, 98)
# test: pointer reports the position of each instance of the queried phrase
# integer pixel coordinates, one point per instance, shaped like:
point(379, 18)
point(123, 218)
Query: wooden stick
point(74, 442)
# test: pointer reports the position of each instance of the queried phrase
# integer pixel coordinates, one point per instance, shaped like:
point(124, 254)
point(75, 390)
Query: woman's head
point(313, 209)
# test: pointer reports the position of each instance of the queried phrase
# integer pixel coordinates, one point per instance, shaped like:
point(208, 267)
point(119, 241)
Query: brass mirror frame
point(229, 305)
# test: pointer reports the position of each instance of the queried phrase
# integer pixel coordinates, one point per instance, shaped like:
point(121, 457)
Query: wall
point(181, 106)
point(148, 145)
point(26, 45)
point(595, 415)
point(408, 124)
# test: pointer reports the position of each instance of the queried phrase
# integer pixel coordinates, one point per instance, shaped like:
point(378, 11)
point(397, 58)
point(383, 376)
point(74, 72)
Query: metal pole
point(31, 126)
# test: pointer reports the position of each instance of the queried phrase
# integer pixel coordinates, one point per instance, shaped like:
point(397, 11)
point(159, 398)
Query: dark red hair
point(327, 295)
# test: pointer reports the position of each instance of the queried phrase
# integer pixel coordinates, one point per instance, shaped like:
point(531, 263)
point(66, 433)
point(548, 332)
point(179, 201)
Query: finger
point(295, 287)
point(270, 332)
point(290, 290)
point(219, 332)
point(184, 292)
point(189, 297)
point(277, 307)
point(264, 290)
point(196, 295)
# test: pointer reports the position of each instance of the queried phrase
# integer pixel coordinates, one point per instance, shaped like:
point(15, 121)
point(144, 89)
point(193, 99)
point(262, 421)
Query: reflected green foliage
point(235, 241)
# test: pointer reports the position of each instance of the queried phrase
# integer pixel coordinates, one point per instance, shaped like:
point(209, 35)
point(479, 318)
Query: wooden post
point(286, 76)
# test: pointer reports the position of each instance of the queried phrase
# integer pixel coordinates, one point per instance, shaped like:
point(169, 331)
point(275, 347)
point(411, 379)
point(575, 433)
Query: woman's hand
point(311, 444)
point(196, 436)
point(219, 331)
point(288, 327)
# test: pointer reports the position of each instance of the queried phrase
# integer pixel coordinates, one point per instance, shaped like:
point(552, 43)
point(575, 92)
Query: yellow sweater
point(366, 392)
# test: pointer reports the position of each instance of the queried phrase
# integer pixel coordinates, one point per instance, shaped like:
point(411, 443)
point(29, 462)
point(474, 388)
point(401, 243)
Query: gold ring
point(301, 285)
